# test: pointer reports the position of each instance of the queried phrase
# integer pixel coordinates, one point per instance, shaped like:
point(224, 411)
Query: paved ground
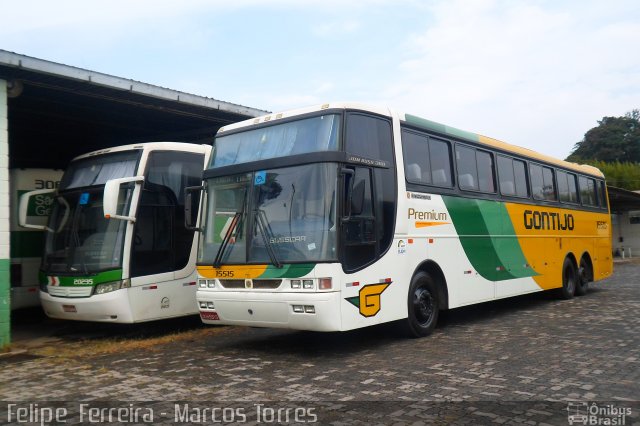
point(521, 360)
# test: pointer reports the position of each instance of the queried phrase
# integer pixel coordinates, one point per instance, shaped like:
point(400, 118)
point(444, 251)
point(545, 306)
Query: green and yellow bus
point(344, 215)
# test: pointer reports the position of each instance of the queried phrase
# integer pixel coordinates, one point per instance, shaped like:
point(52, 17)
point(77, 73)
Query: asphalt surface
point(527, 360)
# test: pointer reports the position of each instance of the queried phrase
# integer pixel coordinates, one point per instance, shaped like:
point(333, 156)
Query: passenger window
point(440, 153)
point(587, 191)
point(567, 187)
point(542, 185)
point(475, 169)
point(467, 168)
point(520, 174)
point(507, 178)
point(603, 195)
point(426, 160)
point(417, 164)
point(486, 172)
point(549, 188)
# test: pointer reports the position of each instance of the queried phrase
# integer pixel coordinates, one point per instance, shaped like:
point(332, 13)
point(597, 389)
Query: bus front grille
point(251, 284)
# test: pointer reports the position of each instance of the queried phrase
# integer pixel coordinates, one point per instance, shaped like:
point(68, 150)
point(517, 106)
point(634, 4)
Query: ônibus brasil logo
point(368, 300)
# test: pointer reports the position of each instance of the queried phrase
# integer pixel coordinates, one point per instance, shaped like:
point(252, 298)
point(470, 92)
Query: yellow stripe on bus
point(232, 271)
point(426, 224)
point(547, 234)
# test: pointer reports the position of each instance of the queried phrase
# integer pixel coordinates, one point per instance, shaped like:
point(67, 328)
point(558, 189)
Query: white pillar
point(5, 286)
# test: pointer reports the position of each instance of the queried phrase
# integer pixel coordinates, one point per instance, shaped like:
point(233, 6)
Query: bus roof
point(179, 146)
point(427, 125)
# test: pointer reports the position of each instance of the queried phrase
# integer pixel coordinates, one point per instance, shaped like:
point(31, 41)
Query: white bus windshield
point(314, 134)
point(272, 216)
point(98, 170)
point(80, 239)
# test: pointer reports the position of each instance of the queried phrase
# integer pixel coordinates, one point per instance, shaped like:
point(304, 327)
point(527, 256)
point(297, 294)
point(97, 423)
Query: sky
point(536, 73)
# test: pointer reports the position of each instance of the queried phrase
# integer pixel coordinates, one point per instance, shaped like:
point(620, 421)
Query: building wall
point(627, 226)
point(5, 309)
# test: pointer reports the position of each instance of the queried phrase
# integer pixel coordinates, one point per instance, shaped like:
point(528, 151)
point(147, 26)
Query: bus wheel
point(569, 279)
point(584, 276)
point(423, 305)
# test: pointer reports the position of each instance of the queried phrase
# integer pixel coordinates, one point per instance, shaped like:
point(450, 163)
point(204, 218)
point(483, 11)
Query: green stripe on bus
point(441, 128)
point(288, 271)
point(71, 281)
point(26, 244)
point(488, 238)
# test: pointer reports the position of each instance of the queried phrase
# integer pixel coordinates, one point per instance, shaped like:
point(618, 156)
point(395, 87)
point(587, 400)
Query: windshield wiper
point(236, 222)
point(265, 229)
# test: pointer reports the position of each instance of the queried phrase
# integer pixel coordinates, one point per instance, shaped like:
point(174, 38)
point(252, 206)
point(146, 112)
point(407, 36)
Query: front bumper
point(108, 307)
point(265, 309)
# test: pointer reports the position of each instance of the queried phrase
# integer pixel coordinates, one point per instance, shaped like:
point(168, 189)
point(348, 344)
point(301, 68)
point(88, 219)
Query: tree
point(614, 139)
point(622, 175)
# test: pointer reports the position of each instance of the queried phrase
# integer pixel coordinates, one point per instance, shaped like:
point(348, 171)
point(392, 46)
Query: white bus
point(26, 244)
point(343, 216)
point(116, 245)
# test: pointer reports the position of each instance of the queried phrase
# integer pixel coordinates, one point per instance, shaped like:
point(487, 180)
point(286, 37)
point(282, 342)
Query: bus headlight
point(109, 287)
point(43, 287)
point(202, 283)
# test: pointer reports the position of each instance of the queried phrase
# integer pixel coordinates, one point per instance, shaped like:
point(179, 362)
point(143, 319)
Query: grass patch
point(113, 345)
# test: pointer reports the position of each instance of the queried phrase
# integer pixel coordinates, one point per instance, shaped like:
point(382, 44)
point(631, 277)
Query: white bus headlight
point(108, 287)
point(202, 283)
point(295, 283)
point(307, 284)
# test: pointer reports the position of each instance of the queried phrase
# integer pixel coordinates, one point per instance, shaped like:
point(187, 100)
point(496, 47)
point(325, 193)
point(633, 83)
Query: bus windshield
point(272, 216)
point(98, 170)
point(79, 239)
point(315, 134)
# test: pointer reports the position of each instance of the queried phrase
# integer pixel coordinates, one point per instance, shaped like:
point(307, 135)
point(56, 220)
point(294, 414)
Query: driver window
point(161, 242)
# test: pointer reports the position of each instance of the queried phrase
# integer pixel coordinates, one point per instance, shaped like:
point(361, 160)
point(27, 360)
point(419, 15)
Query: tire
point(569, 280)
point(423, 304)
point(584, 276)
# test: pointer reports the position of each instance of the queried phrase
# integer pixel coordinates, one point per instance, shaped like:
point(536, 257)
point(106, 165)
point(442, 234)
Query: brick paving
point(515, 361)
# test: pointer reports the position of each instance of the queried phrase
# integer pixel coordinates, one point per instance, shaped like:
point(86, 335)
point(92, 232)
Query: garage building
point(50, 113)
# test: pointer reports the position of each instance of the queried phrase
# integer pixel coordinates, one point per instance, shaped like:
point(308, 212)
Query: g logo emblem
point(369, 299)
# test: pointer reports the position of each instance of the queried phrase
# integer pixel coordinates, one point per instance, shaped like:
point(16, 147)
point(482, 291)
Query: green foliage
point(614, 139)
point(613, 147)
point(624, 175)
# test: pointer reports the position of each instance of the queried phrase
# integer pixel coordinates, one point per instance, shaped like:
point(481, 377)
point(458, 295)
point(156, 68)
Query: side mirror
point(112, 195)
point(191, 204)
point(23, 209)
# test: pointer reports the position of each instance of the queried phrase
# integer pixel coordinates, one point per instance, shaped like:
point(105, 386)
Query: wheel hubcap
point(569, 279)
point(423, 306)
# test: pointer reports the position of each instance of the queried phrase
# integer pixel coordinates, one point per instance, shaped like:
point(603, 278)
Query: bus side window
point(506, 175)
point(520, 174)
point(542, 183)
point(467, 168)
point(587, 191)
point(603, 195)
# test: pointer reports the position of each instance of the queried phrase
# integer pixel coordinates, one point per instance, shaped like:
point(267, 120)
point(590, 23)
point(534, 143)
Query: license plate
point(69, 308)
point(211, 316)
